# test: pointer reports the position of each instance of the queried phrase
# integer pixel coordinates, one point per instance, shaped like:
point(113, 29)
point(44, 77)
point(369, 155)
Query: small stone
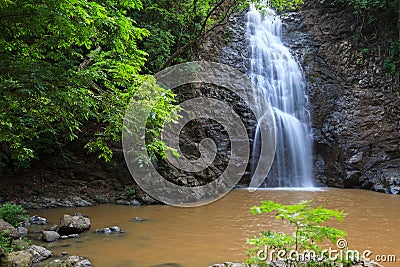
point(38, 220)
point(134, 202)
point(395, 190)
point(106, 230)
point(138, 219)
point(50, 236)
point(73, 236)
point(115, 229)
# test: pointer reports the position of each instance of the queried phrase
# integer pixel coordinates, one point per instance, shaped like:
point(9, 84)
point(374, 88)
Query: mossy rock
point(18, 259)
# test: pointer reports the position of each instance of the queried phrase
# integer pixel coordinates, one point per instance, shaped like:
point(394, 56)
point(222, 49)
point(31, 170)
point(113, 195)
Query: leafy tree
point(65, 62)
point(307, 235)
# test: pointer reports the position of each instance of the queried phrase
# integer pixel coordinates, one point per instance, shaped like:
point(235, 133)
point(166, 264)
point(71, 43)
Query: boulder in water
point(73, 224)
point(38, 220)
point(50, 236)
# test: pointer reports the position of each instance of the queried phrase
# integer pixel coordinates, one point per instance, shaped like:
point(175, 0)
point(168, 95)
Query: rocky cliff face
point(356, 119)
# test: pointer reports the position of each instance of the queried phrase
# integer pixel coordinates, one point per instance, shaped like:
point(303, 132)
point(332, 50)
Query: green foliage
point(281, 5)
point(65, 63)
point(13, 214)
point(130, 191)
point(9, 245)
point(392, 62)
point(5, 242)
point(308, 232)
point(20, 244)
point(367, 4)
point(377, 19)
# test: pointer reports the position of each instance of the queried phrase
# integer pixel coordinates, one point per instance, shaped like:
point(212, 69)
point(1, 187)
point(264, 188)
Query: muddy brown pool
point(198, 237)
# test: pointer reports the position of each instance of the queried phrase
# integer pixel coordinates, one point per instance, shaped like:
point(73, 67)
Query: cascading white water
point(279, 76)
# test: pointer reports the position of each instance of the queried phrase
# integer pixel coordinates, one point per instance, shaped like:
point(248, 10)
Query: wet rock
point(73, 224)
point(8, 228)
point(138, 219)
point(50, 236)
point(110, 230)
point(395, 190)
point(40, 253)
point(106, 231)
point(79, 202)
point(134, 202)
point(18, 259)
point(54, 228)
point(78, 261)
point(122, 202)
point(21, 232)
point(356, 120)
point(73, 236)
point(115, 229)
point(38, 220)
point(72, 261)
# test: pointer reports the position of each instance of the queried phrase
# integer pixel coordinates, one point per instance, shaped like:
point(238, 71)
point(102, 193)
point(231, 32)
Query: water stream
point(198, 237)
point(275, 71)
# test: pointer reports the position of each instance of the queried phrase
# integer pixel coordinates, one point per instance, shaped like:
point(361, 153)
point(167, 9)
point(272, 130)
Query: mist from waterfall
point(274, 70)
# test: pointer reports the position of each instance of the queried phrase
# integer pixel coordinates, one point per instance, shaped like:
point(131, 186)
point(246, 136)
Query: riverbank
point(39, 193)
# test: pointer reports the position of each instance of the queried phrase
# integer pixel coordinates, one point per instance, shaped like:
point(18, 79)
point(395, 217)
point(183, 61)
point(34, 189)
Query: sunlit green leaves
point(307, 223)
point(66, 62)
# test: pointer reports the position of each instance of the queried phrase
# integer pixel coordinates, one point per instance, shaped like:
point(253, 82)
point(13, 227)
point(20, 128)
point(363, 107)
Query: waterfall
point(274, 71)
